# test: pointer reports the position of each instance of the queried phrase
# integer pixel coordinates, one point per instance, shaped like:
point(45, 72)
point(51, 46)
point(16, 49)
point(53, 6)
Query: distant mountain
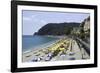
point(57, 29)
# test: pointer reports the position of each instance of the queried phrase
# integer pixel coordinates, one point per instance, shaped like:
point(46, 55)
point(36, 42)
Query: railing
point(84, 45)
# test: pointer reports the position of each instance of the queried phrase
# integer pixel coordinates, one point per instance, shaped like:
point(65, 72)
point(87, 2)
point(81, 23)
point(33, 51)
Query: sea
point(33, 42)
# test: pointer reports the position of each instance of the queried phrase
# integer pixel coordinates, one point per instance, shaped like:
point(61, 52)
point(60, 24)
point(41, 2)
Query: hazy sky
point(34, 20)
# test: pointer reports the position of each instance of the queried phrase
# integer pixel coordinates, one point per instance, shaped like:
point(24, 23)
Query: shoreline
point(41, 46)
point(26, 56)
point(46, 44)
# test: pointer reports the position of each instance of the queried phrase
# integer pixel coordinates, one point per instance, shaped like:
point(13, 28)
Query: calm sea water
point(31, 42)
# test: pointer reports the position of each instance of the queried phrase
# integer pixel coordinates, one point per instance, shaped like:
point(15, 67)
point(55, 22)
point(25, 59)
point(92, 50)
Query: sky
point(34, 20)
